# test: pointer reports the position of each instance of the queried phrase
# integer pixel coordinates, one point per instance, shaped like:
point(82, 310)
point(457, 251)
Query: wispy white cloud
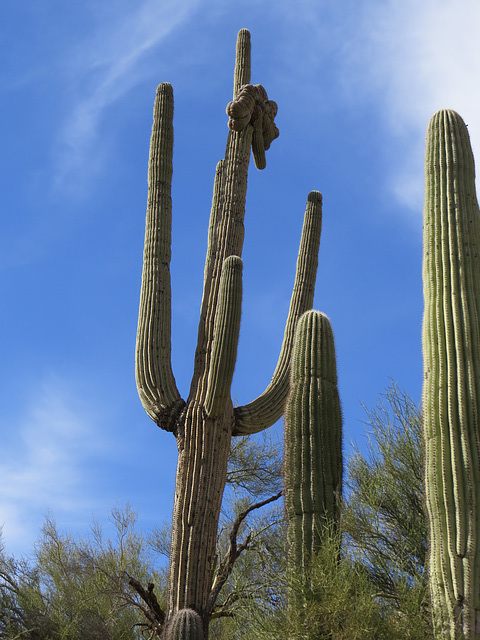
point(404, 58)
point(411, 59)
point(105, 69)
point(42, 467)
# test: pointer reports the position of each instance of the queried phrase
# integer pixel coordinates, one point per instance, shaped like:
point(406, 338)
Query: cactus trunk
point(451, 395)
point(313, 442)
point(205, 423)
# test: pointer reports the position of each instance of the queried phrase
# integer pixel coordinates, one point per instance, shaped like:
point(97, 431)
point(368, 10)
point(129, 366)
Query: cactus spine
point(186, 624)
point(204, 423)
point(313, 440)
point(451, 394)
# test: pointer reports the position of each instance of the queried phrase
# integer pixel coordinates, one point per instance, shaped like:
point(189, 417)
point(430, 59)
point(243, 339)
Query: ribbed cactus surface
point(451, 394)
point(313, 440)
point(205, 422)
point(186, 624)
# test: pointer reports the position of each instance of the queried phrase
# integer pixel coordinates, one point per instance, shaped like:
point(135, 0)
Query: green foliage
point(383, 516)
point(373, 585)
point(81, 588)
point(254, 467)
point(96, 587)
point(77, 589)
point(383, 519)
point(340, 603)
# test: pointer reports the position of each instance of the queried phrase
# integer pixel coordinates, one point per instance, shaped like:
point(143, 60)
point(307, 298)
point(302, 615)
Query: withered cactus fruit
point(240, 110)
point(204, 423)
point(313, 441)
point(451, 393)
point(252, 106)
point(186, 624)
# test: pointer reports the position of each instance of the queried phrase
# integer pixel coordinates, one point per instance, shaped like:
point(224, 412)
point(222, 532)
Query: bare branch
point(152, 611)
point(226, 565)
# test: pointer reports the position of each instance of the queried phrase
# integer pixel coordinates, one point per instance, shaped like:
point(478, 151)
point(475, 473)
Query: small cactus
point(186, 624)
point(313, 440)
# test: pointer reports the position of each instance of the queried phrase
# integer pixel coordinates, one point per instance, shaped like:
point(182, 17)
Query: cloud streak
point(107, 68)
point(43, 467)
point(404, 58)
point(409, 59)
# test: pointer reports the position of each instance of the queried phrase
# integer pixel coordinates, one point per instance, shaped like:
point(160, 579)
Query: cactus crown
point(313, 353)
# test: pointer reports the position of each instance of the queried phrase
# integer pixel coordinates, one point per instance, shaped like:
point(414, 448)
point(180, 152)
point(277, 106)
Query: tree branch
point(154, 613)
point(226, 566)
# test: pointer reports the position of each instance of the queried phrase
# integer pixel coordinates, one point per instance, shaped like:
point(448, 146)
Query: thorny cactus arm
point(313, 441)
point(155, 381)
point(225, 342)
point(451, 393)
point(269, 407)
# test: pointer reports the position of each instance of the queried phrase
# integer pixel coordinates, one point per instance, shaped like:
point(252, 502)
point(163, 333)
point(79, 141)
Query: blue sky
point(356, 83)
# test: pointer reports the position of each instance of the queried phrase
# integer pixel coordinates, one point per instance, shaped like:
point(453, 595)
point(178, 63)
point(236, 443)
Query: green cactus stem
point(313, 441)
point(225, 340)
point(451, 394)
point(204, 423)
point(186, 624)
point(269, 406)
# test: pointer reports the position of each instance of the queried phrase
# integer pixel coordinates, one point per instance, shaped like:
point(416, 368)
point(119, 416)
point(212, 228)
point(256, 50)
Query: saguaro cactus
point(313, 440)
point(451, 395)
point(204, 423)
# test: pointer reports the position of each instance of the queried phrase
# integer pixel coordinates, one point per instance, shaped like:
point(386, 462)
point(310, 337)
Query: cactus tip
point(315, 196)
point(164, 87)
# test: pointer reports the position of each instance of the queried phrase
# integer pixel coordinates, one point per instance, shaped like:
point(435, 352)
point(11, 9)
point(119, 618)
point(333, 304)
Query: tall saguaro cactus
point(204, 423)
point(313, 440)
point(451, 395)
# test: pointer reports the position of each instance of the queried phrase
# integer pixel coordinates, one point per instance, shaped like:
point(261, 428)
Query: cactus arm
point(225, 342)
point(216, 211)
point(153, 371)
point(268, 408)
point(451, 393)
point(313, 441)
